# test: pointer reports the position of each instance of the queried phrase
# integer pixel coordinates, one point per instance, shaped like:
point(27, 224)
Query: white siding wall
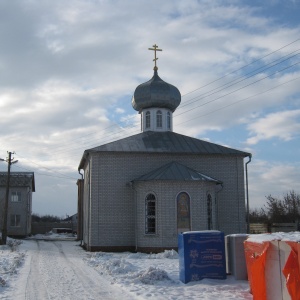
point(153, 112)
point(166, 219)
point(112, 207)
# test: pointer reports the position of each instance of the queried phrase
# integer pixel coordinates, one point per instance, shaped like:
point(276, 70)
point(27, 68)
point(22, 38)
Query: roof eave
point(83, 160)
point(144, 180)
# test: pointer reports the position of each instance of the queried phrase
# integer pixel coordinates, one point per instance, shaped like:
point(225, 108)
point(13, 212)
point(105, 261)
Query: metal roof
point(163, 142)
point(176, 171)
point(18, 179)
point(156, 93)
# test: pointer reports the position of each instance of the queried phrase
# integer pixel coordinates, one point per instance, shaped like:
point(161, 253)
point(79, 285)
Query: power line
point(227, 85)
point(235, 81)
point(104, 130)
point(252, 96)
point(234, 71)
point(109, 140)
point(63, 176)
point(51, 170)
point(242, 99)
point(239, 89)
point(92, 144)
point(133, 126)
point(103, 141)
point(184, 104)
point(236, 102)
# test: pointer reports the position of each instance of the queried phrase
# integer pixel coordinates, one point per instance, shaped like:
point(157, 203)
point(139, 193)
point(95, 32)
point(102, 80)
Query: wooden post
point(4, 227)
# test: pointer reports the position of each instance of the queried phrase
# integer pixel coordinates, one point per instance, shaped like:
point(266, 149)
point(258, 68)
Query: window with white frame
point(168, 120)
point(15, 196)
point(159, 119)
point(148, 119)
point(150, 211)
point(15, 220)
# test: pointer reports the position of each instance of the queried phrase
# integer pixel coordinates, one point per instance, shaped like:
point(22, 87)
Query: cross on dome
point(156, 100)
point(155, 48)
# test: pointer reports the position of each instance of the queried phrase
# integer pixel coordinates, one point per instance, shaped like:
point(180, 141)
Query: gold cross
point(155, 48)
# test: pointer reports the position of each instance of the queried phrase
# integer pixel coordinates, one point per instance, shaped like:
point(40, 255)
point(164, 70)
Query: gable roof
point(176, 171)
point(163, 142)
point(18, 179)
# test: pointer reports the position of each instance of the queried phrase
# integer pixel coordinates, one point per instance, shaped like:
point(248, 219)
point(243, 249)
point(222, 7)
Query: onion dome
point(156, 93)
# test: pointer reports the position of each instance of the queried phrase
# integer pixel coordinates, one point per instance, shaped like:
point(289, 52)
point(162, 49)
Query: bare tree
point(284, 210)
point(258, 216)
point(45, 218)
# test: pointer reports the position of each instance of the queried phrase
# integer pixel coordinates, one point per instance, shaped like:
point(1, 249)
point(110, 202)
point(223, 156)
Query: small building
point(73, 220)
point(139, 192)
point(21, 187)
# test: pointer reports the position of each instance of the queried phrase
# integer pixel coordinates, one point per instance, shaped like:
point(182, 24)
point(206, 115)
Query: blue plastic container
point(201, 255)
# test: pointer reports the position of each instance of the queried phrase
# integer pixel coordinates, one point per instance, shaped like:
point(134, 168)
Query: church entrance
point(183, 212)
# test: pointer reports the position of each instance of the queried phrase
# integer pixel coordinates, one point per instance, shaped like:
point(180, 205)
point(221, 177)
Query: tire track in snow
point(98, 287)
point(58, 272)
point(35, 287)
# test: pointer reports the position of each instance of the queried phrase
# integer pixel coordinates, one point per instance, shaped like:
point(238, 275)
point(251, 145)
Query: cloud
point(120, 110)
point(66, 70)
point(275, 178)
point(284, 125)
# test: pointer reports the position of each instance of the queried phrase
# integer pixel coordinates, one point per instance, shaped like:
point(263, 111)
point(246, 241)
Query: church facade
point(138, 193)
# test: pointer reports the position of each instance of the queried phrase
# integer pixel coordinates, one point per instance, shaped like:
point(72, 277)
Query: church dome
point(156, 93)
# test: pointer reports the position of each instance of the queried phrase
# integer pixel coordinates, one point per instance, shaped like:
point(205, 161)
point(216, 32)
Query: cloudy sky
point(68, 70)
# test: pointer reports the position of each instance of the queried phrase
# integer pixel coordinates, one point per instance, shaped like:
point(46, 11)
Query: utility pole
point(9, 161)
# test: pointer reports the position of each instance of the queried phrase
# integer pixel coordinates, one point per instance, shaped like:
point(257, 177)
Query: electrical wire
point(236, 102)
point(236, 81)
point(225, 86)
point(183, 104)
point(239, 88)
point(251, 63)
point(42, 174)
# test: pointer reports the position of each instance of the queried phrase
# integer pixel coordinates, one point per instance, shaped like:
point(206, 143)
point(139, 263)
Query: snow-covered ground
point(54, 266)
point(58, 268)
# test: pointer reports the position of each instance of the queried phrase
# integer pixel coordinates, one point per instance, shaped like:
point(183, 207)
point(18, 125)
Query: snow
point(276, 236)
point(10, 261)
point(54, 236)
point(54, 266)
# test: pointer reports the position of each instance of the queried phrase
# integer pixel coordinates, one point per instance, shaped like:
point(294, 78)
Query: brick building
point(140, 191)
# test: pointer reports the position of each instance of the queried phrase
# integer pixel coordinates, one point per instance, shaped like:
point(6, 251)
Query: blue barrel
point(201, 255)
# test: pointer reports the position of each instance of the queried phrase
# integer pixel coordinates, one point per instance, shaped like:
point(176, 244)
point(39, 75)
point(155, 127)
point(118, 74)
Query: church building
point(139, 192)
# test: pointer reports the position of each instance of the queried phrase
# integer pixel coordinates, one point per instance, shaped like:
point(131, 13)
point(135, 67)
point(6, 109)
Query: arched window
point(158, 119)
point(209, 212)
point(150, 211)
point(148, 119)
point(168, 120)
point(183, 212)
